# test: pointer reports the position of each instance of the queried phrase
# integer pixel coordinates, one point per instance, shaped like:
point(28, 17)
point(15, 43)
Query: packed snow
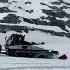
point(18, 63)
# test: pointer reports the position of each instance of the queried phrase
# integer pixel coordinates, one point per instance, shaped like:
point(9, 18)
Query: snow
point(43, 27)
point(3, 4)
point(2, 39)
point(60, 44)
point(68, 28)
point(18, 63)
point(2, 15)
point(36, 36)
point(54, 28)
point(64, 19)
point(67, 10)
point(35, 6)
point(67, 1)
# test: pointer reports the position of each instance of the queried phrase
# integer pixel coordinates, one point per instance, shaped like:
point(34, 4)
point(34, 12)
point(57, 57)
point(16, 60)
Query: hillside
point(45, 23)
point(40, 20)
point(47, 16)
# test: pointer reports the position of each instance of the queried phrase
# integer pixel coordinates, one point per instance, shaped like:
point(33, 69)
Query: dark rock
point(57, 13)
point(5, 9)
point(4, 1)
point(56, 3)
point(27, 2)
point(29, 11)
point(20, 7)
point(10, 18)
point(42, 3)
point(63, 57)
point(27, 20)
point(39, 22)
